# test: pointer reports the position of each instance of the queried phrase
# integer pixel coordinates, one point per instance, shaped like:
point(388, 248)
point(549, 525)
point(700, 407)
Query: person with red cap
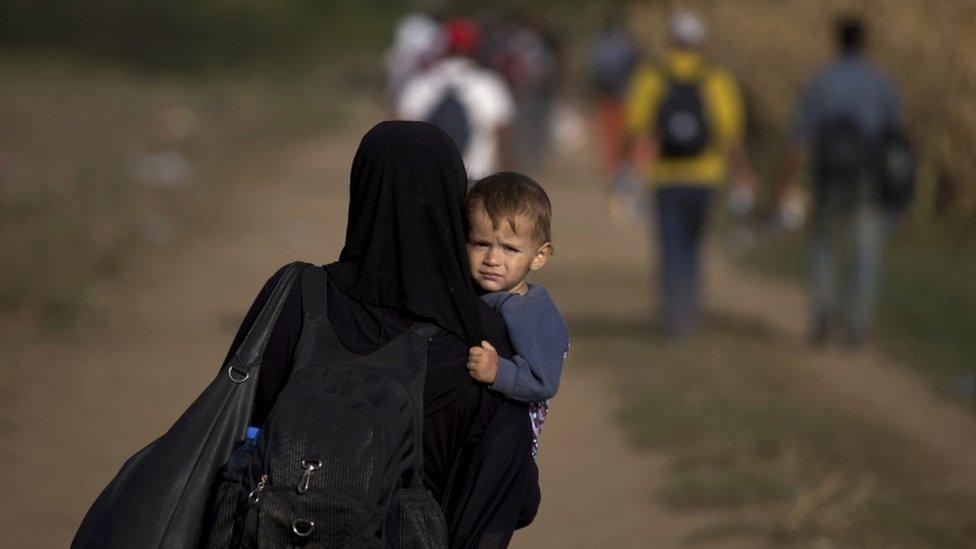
point(469, 102)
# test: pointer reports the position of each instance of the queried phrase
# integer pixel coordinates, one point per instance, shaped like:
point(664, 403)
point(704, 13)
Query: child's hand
point(483, 363)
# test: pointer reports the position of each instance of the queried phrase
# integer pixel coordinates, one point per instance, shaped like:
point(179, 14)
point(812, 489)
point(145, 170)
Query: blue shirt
point(850, 87)
point(540, 339)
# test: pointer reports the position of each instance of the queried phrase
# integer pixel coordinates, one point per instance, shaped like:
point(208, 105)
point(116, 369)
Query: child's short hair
point(506, 195)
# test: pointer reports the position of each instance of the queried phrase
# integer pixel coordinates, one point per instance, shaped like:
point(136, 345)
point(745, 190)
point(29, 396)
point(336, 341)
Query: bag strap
point(252, 349)
point(315, 294)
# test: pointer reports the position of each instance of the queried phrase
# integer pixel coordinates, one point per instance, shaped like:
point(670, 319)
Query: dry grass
point(928, 48)
point(757, 440)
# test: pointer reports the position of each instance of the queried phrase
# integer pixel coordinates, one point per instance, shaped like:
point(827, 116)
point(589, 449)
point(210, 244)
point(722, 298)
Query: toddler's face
point(500, 258)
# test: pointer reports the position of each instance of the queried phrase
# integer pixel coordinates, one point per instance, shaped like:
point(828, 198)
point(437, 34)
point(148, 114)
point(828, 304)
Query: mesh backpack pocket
point(422, 524)
point(227, 510)
point(316, 518)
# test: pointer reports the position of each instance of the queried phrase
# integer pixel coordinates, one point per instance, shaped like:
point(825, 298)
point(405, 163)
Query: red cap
point(461, 35)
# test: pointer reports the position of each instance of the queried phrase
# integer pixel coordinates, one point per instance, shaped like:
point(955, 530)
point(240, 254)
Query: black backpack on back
point(842, 152)
point(452, 117)
point(340, 457)
point(682, 127)
point(895, 167)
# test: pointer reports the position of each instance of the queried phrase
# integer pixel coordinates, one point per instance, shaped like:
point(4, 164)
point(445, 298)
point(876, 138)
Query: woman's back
point(452, 404)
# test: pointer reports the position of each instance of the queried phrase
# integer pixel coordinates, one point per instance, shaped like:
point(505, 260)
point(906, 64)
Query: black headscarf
point(405, 238)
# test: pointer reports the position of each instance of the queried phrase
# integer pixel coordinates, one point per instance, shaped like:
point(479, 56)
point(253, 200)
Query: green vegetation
point(198, 35)
point(750, 434)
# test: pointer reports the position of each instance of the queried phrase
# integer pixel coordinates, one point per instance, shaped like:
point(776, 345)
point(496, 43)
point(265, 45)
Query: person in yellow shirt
point(685, 119)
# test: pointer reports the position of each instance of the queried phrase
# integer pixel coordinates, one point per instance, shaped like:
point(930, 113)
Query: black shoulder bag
point(159, 498)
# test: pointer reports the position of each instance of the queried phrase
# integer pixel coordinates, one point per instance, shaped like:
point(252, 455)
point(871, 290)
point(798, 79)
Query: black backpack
point(682, 128)
point(842, 152)
point(452, 117)
point(340, 457)
point(895, 167)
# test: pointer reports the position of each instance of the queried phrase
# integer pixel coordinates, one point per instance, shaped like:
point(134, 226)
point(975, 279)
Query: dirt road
point(80, 406)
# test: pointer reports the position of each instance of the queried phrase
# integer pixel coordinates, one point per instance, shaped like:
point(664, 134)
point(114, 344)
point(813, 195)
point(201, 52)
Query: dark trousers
point(681, 216)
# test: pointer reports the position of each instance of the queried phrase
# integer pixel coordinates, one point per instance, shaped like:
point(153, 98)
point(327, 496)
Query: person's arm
point(786, 191)
point(729, 115)
point(642, 144)
point(540, 340)
point(494, 490)
point(793, 161)
point(743, 176)
point(529, 380)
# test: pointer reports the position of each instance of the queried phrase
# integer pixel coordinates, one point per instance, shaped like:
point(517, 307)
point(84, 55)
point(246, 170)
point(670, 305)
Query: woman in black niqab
point(405, 238)
point(404, 260)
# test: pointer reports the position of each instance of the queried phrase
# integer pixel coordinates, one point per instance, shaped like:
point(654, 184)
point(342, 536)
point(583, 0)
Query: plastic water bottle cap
point(252, 433)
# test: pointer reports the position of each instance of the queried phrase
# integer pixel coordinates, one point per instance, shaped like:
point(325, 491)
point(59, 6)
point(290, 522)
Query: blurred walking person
point(470, 103)
point(685, 118)
point(417, 42)
point(844, 116)
point(612, 59)
point(525, 53)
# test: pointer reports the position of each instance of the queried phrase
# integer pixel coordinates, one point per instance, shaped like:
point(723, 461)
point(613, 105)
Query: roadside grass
point(73, 211)
point(926, 314)
point(750, 435)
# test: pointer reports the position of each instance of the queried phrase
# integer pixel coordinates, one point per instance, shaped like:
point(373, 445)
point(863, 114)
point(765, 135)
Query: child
point(509, 236)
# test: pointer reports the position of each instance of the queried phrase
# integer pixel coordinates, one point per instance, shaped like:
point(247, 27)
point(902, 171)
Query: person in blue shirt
point(509, 236)
point(849, 103)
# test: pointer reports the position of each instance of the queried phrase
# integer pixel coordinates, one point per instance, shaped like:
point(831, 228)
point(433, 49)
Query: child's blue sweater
point(540, 339)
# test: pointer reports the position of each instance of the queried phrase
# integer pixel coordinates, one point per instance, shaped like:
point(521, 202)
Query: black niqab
point(405, 238)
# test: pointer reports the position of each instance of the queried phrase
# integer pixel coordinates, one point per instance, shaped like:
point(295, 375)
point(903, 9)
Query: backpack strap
point(252, 349)
point(315, 293)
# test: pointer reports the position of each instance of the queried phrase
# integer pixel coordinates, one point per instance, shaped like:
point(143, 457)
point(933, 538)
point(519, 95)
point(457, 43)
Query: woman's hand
point(483, 363)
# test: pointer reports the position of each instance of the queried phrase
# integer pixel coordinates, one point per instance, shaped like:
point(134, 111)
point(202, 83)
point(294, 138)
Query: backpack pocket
point(325, 441)
point(316, 518)
point(422, 524)
point(227, 510)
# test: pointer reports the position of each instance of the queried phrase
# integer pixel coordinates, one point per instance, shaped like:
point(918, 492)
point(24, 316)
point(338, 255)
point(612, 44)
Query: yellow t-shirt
point(723, 111)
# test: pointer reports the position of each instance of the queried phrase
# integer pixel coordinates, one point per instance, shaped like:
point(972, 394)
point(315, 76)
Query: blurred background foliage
point(185, 35)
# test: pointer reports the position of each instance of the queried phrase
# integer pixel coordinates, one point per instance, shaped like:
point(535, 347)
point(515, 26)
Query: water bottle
point(242, 457)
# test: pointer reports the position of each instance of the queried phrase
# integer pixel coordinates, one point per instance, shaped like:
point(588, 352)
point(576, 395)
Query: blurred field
point(97, 164)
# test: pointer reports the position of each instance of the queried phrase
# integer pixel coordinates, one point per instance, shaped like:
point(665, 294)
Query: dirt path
point(83, 405)
point(865, 380)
